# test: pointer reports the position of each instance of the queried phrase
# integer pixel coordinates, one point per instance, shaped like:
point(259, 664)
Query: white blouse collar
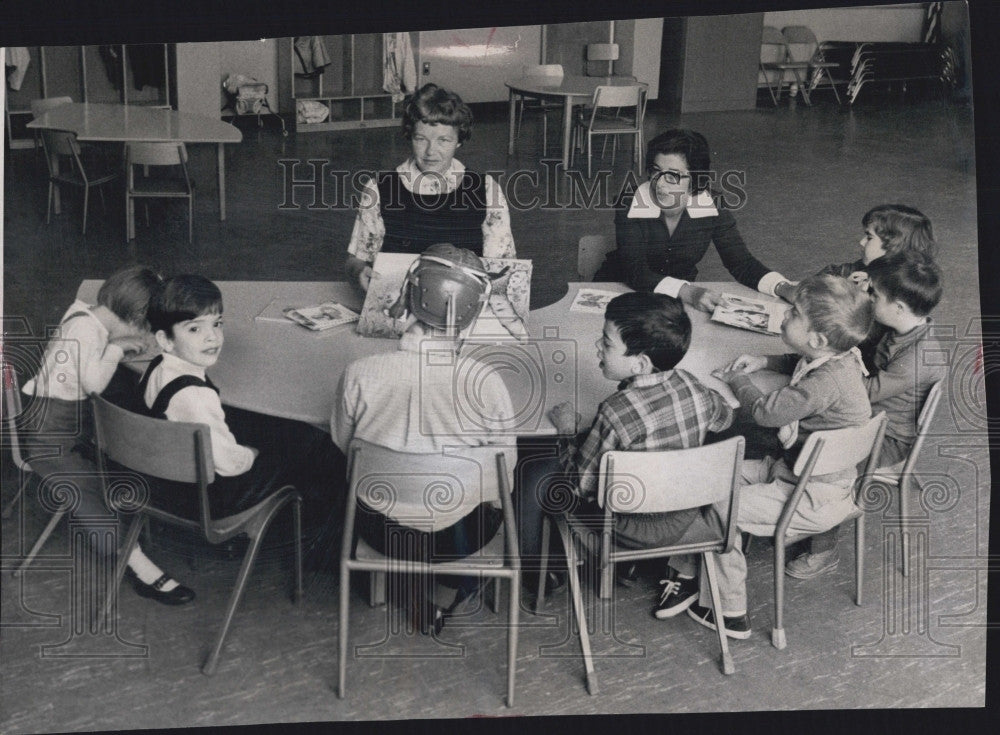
point(644, 205)
point(429, 183)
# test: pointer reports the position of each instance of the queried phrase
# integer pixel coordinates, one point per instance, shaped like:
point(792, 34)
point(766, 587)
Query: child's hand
point(727, 376)
point(365, 277)
point(859, 279)
point(746, 364)
point(699, 298)
point(131, 344)
point(564, 418)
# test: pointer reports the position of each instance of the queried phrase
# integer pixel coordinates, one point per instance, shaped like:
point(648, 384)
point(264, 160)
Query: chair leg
point(578, 607)
point(859, 557)
point(191, 218)
point(495, 605)
point(297, 533)
point(778, 632)
point(513, 611)
point(17, 497)
point(345, 597)
point(590, 138)
point(86, 201)
point(234, 600)
point(376, 588)
point(544, 562)
point(545, 133)
point(42, 538)
point(48, 211)
point(131, 539)
point(725, 658)
point(904, 505)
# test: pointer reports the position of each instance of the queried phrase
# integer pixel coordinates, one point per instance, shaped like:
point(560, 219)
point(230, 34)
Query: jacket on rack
point(17, 61)
point(399, 71)
point(310, 55)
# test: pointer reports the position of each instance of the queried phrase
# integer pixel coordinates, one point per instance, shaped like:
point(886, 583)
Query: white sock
point(146, 570)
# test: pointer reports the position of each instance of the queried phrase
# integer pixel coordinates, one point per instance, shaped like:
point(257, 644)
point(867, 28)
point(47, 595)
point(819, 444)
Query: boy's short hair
point(182, 298)
point(651, 324)
point(910, 278)
point(127, 293)
point(835, 308)
point(901, 229)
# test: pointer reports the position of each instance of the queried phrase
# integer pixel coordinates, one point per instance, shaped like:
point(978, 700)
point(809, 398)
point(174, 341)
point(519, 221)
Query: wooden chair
point(590, 254)
point(553, 72)
point(379, 475)
point(621, 122)
point(823, 453)
point(902, 477)
point(803, 46)
point(61, 148)
point(156, 187)
point(652, 482)
point(151, 449)
point(601, 52)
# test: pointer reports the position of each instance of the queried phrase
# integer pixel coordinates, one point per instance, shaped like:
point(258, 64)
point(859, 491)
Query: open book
point(504, 317)
point(318, 318)
point(748, 313)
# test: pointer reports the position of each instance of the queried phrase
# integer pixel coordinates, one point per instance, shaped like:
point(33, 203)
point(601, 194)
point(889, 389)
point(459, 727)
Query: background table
point(282, 369)
point(572, 90)
point(92, 121)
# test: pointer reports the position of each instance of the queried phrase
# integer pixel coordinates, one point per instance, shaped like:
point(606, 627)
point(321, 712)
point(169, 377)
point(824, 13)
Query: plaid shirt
point(666, 410)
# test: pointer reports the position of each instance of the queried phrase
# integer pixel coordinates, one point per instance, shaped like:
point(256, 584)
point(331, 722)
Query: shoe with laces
point(736, 627)
point(811, 565)
point(676, 596)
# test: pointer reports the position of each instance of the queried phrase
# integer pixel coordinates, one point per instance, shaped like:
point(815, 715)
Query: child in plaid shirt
point(656, 407)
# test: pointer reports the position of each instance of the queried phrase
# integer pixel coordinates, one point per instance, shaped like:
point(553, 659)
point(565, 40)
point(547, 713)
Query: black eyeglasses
point(669, 175)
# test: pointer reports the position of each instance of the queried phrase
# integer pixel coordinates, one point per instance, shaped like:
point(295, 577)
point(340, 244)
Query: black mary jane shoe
point(179, 595)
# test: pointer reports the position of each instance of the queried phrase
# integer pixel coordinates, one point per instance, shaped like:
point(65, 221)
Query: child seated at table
point(904, 289)
point(253, 454)
point(828, 318)
point(405, 401)
point(655, 407)
point(83, 358)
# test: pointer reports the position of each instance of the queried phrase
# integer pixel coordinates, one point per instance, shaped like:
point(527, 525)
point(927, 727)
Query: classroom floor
point(808, 174)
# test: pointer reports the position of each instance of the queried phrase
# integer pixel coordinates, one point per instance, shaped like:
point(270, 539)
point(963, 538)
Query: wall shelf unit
point(106, 73)
point(350, 87)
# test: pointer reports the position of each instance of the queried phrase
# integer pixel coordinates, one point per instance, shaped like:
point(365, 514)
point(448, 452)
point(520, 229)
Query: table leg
point(510, 125)
point(567, 130)
point(56, 199)
point(222, 182)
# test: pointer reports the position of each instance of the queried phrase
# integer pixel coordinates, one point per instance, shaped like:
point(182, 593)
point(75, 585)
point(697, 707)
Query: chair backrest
point(156, 154)
point(60, 143)
point(773, 48)
point(602, 52)
point(837, 450)
point(590, 254)
point(927, 412)
point(618, 96)
point(42, 105)
point(11, 410)
point(430, 488)
point(801, 42)
point(543, 70)
point(658, 482)
point(169, 450)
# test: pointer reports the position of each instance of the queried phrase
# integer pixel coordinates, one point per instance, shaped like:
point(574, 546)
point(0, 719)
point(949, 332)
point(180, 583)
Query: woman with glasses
point(665, 227)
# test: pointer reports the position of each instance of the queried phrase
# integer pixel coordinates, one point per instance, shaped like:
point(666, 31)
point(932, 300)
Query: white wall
point(197, 70)
point(864, 23)
point(646, 53)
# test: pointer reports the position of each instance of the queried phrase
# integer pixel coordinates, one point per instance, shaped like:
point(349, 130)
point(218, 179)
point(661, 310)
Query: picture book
point(748, 313)
point(592, 300)
point(504, 317)
point(318, 317)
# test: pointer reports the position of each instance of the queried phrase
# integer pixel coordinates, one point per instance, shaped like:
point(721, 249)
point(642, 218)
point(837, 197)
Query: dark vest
point(414, 222)
point(159, 408)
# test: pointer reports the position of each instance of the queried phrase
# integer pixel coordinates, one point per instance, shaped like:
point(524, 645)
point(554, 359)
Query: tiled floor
point(810, 174)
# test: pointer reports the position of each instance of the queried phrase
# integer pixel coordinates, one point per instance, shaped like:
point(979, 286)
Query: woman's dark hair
point(182, 298)
point(651, 324)
point(434, 105)
point(688, 143)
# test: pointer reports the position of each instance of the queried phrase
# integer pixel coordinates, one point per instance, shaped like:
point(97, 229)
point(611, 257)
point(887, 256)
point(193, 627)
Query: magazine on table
point(504, 317)
point(592, 300)
point(317, 318)
point(749, 313)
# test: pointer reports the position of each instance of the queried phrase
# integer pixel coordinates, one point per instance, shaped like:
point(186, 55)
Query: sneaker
point(811, 565)
point(736, 627)
point(676, 596)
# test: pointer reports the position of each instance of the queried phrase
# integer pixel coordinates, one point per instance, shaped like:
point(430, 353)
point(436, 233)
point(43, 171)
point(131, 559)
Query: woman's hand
point(699, 298)
point(746, 364)
point(358, 270)
point(564, 418)
point(785, 290)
